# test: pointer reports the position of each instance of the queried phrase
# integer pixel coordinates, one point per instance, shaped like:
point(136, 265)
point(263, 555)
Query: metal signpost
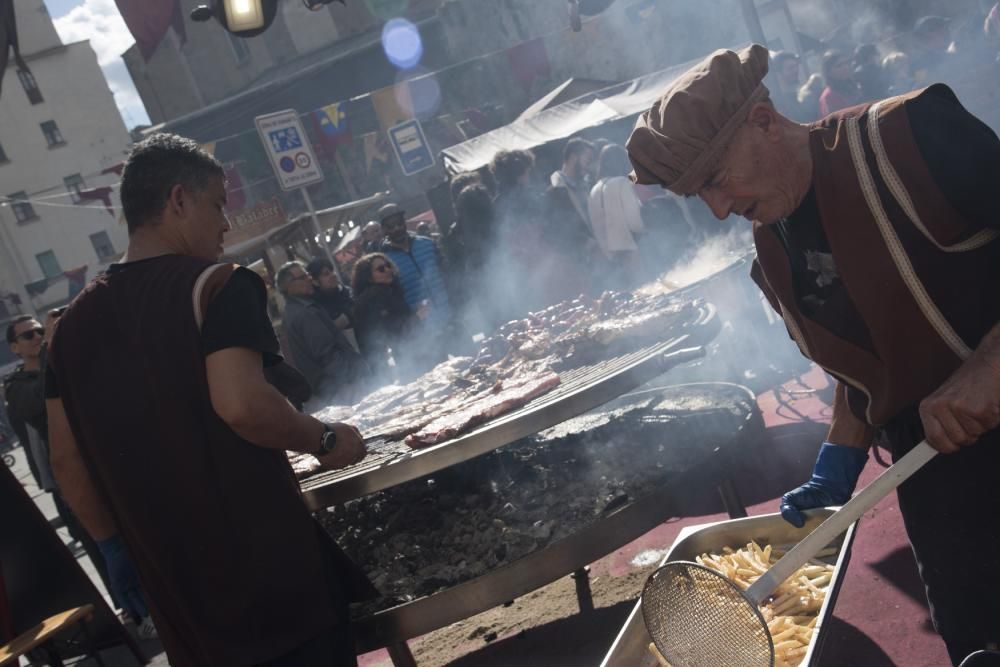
point(412, 150)
point(293, 160)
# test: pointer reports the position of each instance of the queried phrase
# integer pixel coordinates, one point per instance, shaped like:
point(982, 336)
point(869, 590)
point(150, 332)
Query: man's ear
point(177, 199)
point(764, 118)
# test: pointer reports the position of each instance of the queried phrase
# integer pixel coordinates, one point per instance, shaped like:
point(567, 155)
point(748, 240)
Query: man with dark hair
point(168, 442)
point(567, 222)
point(24, 392)
point(319, 349)
point(20, 326)
point(511, 169)
point(422, 276)
point(579, 159)
point(461, 181)
point(330, 294)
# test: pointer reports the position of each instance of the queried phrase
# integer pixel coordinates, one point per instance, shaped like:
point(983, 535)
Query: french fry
point(659, 656)
point(793, 610)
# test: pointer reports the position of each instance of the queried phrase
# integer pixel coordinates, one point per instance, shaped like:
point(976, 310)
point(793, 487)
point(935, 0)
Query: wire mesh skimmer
point(699, 618)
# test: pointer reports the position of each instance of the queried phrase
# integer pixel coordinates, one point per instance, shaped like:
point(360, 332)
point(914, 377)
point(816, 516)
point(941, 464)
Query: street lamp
point(244, 18)
point(247, 18)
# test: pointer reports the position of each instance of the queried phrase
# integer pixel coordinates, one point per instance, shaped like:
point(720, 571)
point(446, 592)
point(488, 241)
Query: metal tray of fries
point(631, 646)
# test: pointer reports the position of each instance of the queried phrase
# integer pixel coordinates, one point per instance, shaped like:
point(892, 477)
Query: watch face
point(328, 442)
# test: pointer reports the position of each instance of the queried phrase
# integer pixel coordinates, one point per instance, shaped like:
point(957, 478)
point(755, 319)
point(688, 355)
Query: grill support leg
point(731, 499)
point(400, 655)
point(583, 596)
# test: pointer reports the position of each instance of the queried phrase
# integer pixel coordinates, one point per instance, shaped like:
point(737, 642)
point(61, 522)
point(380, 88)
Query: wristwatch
point(327, 442)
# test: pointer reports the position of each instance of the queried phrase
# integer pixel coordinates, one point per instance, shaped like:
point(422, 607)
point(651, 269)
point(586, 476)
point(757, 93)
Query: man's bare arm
point(845, 428)
point(258, 413)
point(75, 483)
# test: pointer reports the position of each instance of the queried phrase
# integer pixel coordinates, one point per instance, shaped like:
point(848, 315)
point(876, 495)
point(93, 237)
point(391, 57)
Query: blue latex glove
point(833, 480)
point(123, 577)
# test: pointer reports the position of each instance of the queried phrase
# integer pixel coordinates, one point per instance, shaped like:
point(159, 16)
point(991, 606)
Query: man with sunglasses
point(318, 347)
point(25, 397)
point(422, 277)
point(25, 336)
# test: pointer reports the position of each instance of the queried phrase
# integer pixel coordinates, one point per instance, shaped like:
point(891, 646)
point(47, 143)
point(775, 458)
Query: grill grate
point(392, 462)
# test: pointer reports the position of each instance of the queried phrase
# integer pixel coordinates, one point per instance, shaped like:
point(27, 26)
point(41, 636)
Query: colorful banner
point(529, 61)
point(102, 194)
point(149, 21)
point(37, 288)
point(333, 122)
point(393, 105)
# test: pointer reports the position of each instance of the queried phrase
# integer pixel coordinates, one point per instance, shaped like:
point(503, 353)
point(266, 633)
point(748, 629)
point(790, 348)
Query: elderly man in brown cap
point(877, 242)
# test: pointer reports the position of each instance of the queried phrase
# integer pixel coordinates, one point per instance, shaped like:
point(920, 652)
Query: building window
point(50, 265)
point(52, 133)
point(240, 48)
point(102, 245)
point(74, 184)
point(23, 210)
point(30, 86)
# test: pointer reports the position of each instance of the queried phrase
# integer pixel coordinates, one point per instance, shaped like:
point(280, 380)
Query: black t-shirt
point(236, 317)
point(963, 156)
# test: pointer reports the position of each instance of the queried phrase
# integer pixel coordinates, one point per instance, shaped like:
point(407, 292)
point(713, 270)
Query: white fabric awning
point(618, 101)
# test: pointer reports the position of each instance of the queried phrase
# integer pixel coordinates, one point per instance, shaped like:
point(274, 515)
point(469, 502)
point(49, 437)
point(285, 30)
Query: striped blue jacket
point(421, 276)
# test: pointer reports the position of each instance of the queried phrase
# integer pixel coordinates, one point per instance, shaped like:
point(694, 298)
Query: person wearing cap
point(420, 272)
point(878, 243)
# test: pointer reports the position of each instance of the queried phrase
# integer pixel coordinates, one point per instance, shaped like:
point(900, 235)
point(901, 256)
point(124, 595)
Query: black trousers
point(334, 648)
point(951, 510)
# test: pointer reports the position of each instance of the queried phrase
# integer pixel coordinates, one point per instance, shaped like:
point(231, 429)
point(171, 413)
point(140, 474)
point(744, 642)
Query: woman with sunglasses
point(382, 318)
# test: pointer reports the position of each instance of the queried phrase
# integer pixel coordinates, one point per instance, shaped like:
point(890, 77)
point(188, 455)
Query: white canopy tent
point(619, 101)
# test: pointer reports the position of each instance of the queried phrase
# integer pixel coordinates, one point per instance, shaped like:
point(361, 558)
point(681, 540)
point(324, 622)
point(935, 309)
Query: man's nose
point(720, 204)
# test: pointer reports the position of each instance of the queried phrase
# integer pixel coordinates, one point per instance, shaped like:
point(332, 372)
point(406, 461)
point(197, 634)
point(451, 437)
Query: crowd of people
point(934, 53)
point(519, 241)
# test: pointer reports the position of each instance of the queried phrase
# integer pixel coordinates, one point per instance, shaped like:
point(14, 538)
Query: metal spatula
point(699, 618)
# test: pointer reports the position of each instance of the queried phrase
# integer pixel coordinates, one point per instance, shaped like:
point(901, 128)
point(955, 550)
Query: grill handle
point(681, 356)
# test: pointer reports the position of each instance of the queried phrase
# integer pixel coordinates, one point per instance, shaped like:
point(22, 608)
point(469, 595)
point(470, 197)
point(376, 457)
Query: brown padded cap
point(678, 140)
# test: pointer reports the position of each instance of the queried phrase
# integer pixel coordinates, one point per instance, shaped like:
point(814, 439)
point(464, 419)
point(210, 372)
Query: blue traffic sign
point(410, 145)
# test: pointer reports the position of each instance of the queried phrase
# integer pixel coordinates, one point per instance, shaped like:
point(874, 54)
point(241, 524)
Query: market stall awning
point(570, 89)
point(332, 218)
point(258, 243)
point(562, 121)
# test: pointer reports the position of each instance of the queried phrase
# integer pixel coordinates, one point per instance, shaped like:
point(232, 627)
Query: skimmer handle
point(840, 521)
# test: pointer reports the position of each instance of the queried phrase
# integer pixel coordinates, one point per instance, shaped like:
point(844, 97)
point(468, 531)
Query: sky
point(100, 22)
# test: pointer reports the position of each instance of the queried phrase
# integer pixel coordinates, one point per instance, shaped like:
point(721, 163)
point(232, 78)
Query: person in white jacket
point(615, 214)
